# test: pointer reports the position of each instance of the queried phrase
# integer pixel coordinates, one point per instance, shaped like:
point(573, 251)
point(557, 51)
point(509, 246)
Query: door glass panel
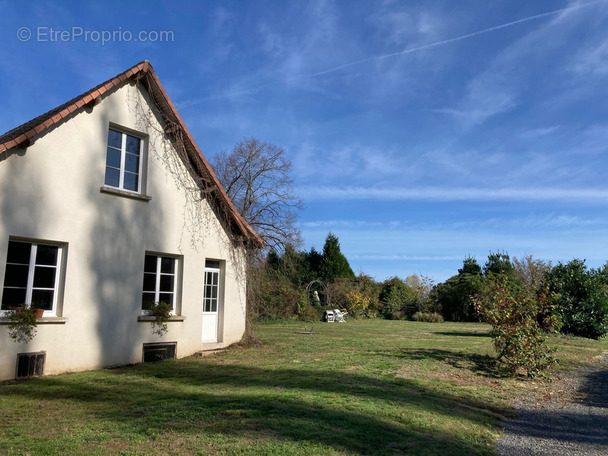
point(211, 298)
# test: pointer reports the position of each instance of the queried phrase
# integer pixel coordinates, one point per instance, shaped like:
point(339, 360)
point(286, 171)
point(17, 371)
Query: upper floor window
point(123, 161)
point(31, 277)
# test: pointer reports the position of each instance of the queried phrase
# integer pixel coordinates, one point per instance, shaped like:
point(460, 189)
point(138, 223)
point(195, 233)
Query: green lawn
point(364, 387)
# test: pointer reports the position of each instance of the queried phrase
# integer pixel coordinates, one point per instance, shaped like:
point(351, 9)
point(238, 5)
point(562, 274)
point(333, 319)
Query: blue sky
point(420, 132)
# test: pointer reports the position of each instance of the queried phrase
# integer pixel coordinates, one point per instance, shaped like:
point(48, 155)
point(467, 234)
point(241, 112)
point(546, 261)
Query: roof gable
point(143, 73)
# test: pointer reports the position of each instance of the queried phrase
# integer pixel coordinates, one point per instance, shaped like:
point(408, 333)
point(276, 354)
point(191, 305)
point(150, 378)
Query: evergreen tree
point(334, 264)
point(499, 264)
point(470, 266)
point(314, 260)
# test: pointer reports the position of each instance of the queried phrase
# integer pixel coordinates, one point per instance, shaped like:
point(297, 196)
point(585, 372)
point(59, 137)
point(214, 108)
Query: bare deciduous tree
point(531, 272)
point(256, 176)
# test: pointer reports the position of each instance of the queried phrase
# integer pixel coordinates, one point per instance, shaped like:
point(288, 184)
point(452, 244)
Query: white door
point(211, 301)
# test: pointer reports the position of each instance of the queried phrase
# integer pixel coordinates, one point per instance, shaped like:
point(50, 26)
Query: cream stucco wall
point(51, 192)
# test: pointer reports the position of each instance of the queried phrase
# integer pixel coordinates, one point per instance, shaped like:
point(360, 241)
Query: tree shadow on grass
point(340, 411)
point(483, 365)
point(465, 334)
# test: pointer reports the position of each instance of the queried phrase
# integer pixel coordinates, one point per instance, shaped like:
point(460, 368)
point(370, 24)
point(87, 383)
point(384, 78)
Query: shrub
point(582, 301)
point(358, 303)
point(337, 293)
point(306, 312)
point(278, 300)
point(396, 315)
point(397, 297)
point(428, 317)
point(519, 326)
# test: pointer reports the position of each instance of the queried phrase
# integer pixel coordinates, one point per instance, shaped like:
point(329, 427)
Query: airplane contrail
point(395, 54)
point(449, 40)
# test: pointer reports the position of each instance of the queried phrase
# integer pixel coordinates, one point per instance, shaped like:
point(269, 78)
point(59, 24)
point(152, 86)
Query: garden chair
point(339, 316)
point(329, 316)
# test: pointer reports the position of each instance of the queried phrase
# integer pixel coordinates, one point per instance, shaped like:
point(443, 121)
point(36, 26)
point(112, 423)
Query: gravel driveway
point(572, 419)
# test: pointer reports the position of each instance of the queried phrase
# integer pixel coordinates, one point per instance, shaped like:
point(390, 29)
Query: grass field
point(360, 388)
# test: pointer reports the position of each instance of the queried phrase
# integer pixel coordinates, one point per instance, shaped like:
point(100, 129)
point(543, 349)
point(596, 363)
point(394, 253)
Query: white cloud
point(593, 61)
point(499, 89)
point(533, 133)
point(406, 258)
point(347, 162)
point(358, 224)
point(404, 24)
point(345, 193)
point(487, 96)
point(549, 221)
point(291, 53)
point(593, 140)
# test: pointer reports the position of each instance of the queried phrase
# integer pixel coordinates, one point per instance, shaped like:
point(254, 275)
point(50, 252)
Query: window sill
point(124, 193)
point(39, 321)
point(152, 318)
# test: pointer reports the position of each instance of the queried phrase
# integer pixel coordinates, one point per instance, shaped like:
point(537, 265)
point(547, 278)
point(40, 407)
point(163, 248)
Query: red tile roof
point(25, 134)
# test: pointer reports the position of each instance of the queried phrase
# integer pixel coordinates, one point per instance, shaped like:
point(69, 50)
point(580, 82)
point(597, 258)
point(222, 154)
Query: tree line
point(296, 280)
point(284, 282)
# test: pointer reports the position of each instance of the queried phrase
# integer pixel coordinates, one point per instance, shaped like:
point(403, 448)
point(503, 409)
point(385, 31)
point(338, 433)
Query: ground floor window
point(160, 281)
point(31, 277)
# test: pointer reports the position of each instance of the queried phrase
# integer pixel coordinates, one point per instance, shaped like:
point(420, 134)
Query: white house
point(107, 206)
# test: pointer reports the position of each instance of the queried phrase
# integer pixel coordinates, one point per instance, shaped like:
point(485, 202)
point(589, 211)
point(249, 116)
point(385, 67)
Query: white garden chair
point(329, 316)
point(339, 316)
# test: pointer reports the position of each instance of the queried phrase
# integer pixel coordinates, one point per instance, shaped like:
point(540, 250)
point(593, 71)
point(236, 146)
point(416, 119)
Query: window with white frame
point(123, 161)
point(160, 281)
point(31, 277)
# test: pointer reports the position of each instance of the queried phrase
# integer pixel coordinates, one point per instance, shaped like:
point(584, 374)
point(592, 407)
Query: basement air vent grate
point(30, 364)
point(159, 351)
